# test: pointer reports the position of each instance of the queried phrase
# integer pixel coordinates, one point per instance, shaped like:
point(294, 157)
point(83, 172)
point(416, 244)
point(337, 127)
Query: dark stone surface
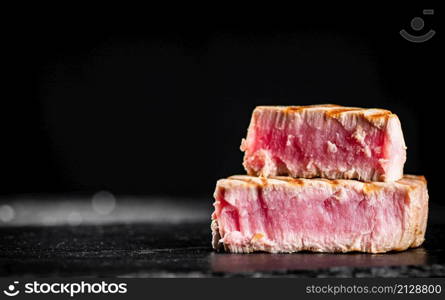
point(183, 249)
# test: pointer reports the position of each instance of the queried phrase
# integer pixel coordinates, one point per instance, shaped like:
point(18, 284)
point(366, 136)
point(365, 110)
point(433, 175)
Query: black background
point(147, 102)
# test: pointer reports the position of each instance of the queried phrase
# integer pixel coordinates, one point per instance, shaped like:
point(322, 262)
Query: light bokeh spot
point(7, 213)
point(103, 203)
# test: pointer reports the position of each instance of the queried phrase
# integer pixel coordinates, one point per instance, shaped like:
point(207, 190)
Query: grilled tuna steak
point(282, 214)
point(327, 141)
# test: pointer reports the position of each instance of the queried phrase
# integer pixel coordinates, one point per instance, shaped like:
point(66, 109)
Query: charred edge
point(325, 180)
point(249, 181)
point(413, 182)
point(380, 118)
point(292, 109)
point(371, 187)
point(336, 112)
point(289, 180)
point(379, 115)
point(243, 178)
point(257, 236)
point(415, 177)
point(264, 181)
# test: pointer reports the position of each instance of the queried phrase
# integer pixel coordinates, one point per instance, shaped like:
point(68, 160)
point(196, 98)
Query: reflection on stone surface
point(223, 262)
point(165, 237)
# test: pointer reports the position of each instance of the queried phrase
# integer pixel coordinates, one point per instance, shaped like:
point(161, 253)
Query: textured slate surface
point(183, 249)
point(166, 237)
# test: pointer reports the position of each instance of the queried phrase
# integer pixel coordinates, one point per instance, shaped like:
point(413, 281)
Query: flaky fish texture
point(328, 141)
point(282, 214)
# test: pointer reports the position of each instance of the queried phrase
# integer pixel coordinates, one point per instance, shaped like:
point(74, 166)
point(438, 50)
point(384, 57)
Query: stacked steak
point(325, 141)
point(322, 178)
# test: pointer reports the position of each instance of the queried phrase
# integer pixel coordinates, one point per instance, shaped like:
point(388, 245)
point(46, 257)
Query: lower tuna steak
point(326, 141)
point(282, 214)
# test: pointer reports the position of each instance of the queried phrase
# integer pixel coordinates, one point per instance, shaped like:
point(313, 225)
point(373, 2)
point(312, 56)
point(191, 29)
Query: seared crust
point(376, 116)
point(408, 181)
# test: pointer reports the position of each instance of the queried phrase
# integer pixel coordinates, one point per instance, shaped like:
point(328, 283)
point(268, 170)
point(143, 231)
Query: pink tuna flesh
point(325, 141)
point(281, 214)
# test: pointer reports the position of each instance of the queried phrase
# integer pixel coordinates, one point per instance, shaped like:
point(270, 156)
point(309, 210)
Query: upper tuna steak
point(327, 141)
